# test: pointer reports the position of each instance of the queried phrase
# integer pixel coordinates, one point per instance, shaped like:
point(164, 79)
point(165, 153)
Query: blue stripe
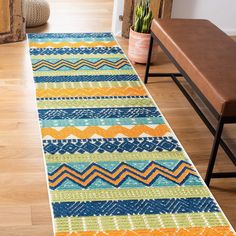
point(134, 207)
point(70, 35)
point(74, 51)
point(85, 78)
point(97, 113)
point(110, 145)
point(88, 98)
point(73, 40)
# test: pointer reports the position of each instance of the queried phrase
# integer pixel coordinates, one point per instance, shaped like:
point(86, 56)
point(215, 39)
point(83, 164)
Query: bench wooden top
point(206, 54)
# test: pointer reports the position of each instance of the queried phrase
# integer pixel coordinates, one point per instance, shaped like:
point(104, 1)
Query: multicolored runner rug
point(114, 165)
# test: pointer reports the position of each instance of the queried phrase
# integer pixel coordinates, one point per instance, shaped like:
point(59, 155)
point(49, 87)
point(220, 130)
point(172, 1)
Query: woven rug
point(114, 165)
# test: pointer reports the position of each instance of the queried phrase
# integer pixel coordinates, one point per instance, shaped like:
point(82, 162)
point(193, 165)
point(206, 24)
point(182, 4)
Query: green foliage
point(143, 17)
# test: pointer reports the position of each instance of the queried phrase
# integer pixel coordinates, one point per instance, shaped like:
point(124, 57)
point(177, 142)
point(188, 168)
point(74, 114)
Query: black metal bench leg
point(214, 150)
point(148, 60)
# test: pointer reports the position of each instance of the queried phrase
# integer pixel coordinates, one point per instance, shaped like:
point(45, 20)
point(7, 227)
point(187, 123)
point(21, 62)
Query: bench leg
point(148, 60)
point(214, 150)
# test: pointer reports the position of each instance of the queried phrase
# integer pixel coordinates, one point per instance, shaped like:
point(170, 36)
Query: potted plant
point(139, 37)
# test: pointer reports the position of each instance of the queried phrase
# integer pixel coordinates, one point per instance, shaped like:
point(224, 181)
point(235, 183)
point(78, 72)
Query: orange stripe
point(194, 231)
point(87, 92)
point(73, 44)
point(110, 132)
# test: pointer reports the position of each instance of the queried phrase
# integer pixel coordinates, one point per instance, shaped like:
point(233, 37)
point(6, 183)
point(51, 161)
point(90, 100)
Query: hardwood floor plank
point(12, 215)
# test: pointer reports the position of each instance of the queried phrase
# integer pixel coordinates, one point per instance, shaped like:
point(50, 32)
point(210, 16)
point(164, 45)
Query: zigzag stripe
point(75, 51)
point(81, 63)
point(85, 78)
point(84, 92)
point(120, 145)
point(111, 132)
point(72, 45)
point(94, 113)
point(70, 35)
point(134, 207)
point(120, 174)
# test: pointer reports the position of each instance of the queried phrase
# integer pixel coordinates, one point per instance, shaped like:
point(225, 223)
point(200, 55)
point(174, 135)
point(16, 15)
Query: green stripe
point(103, 84)
point(102, 122)
point(83, 72)
point(131, 102)
point(129, 156)
point(129, 194)
point(105, 223)
point(77, 56)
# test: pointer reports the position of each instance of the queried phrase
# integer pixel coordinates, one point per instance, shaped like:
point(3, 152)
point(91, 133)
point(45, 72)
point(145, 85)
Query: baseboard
point(118, 33)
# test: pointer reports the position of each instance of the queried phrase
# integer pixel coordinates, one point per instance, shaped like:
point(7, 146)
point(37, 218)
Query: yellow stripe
point(72, 45)
point(87, 92)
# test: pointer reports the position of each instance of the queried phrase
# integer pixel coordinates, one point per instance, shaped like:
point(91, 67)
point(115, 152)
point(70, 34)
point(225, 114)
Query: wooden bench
point(206, 58)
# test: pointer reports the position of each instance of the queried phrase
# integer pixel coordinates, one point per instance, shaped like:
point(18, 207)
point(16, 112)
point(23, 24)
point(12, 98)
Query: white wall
point(220, 12)
point(117, 11)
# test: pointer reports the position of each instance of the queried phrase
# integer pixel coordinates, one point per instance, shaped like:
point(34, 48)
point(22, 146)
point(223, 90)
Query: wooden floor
point(24, 206)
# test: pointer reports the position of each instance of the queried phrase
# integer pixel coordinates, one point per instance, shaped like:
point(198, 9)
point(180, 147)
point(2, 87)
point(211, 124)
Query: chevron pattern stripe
point(120, 174)
point(114, 165)
point(79, 64)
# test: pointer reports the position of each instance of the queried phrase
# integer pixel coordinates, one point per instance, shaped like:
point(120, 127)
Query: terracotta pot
point(138, 47)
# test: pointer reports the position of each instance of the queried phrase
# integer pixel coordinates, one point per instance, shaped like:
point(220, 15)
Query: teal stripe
point(45, 40)
point(78, 56)
point(102, 122)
